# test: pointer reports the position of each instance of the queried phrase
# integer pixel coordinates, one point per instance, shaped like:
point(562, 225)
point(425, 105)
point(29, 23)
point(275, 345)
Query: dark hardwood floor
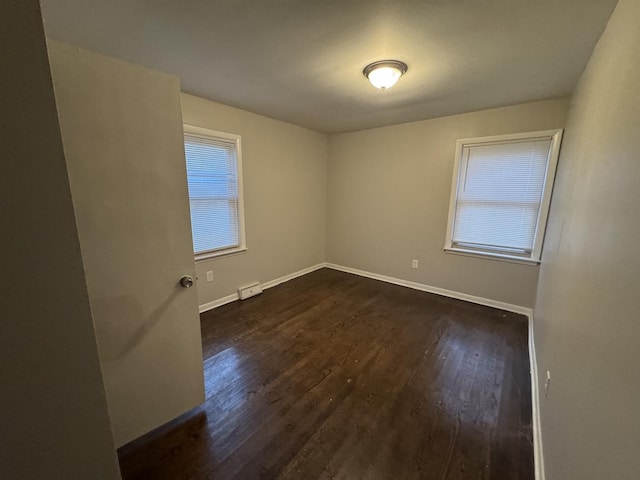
point(332, 375)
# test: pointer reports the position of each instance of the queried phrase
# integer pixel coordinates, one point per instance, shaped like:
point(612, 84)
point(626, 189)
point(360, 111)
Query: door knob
point(186, 281)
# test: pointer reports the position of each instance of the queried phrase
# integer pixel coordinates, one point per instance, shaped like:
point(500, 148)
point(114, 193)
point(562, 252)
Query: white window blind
point(500, 194)
point(212, 176)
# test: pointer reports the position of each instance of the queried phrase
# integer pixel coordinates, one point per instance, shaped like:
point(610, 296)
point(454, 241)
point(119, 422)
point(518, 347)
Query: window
point(500, 195)
point(214, 176)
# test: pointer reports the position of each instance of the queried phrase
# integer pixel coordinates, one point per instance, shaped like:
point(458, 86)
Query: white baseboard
point(205, 307)
point(271, 283)
point(291, 276)
point(396, 281)
point(437, 290)
point(538, 455)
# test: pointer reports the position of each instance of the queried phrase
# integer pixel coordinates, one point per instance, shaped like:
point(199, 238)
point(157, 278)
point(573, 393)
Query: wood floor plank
point(336, 376)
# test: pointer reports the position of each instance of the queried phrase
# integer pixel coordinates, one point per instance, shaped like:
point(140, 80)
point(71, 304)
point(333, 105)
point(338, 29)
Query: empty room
point(293, 239)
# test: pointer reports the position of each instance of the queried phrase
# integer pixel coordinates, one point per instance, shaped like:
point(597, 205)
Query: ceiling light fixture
point(384, 73)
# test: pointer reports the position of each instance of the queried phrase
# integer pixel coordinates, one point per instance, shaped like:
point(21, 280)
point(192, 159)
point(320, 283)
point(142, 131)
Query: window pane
point(496, 225)
point(213, 192)
point(214, 224)
point(500, 188)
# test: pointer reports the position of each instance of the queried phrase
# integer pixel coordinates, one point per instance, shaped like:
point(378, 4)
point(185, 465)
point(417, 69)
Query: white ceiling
point(301, 61)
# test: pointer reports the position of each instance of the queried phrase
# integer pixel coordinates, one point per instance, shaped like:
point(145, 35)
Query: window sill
point(221, 253)
point(492, 256)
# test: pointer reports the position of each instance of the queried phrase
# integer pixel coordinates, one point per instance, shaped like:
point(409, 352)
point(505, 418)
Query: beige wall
point(53, 411)
point(586, 316)
point(388, 201)
point(122, 134)
point(284, 173)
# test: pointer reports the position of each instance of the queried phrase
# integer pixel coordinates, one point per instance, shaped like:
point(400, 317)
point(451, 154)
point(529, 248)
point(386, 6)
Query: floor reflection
point(224, 371)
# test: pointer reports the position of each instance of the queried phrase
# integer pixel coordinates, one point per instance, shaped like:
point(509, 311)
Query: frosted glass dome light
point(385, 73)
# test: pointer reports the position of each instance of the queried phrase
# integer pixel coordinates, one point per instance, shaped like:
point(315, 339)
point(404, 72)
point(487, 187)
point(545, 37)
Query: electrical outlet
point(546, 384)
point(414, 263)
point(210, 276)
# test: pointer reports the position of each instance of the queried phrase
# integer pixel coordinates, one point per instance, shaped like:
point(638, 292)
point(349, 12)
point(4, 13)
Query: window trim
point(536, 252)
point(236, 139)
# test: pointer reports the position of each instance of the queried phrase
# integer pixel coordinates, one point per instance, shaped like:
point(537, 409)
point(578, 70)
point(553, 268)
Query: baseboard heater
point(249, 291)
